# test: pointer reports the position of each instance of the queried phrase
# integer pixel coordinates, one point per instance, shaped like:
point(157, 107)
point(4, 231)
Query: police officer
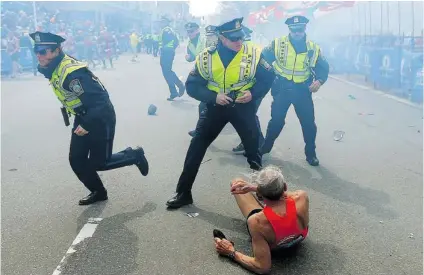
point(155, 41)
point(229, 79)
point(169, 42)
point(84, 96)
point(240, 148)
point(196, 44)
point(301, 70)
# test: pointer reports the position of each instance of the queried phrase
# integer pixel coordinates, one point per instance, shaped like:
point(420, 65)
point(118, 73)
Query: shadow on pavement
point(376, 202)
point(113, 248)
point(183, 104)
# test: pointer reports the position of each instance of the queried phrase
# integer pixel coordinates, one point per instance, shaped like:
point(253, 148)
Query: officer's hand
point(79, 131)
point(315, 86)
point(245, 98)
point(222, 99)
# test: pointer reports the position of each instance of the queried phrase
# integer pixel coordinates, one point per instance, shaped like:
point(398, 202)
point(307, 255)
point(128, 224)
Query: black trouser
point(301, 98)
point(242, 117)
point(166, 60)
point(93, 152)
point(155, 48)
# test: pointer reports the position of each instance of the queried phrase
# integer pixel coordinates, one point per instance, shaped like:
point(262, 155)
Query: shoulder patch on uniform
point(76, 87)
point(265, 64)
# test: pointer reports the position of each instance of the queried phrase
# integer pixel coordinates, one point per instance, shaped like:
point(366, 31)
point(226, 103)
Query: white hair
point(270, 182)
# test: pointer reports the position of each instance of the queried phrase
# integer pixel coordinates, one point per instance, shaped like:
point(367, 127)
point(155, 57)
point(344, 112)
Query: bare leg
point(247, 203)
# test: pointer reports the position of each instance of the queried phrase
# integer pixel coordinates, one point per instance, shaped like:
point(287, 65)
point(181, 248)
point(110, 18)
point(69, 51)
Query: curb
point(395, 98)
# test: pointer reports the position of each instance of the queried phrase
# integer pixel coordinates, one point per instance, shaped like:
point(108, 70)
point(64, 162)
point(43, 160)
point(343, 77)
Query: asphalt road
point(365, 198)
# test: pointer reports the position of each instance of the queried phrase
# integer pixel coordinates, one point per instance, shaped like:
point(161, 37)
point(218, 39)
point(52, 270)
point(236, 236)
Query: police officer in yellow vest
point(84, 97)
point(196, 44)
point(229, 79)
point(155, 41)
point(301, 70)
point(169, 42)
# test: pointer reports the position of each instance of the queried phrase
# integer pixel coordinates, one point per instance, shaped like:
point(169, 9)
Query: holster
point(65, 116)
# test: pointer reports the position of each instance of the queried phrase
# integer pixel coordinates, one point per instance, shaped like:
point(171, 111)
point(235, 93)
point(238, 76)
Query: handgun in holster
point(65, 116)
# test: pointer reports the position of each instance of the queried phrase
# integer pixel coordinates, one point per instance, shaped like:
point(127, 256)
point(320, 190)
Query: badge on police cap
point(37, 38)
point(296, 20)
point(238, 25)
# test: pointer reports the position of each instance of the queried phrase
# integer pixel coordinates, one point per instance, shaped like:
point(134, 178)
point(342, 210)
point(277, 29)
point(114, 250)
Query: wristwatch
point(232, 255)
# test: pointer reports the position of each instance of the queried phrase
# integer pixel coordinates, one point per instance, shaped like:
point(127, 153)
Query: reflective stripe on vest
point(170, 44)
point(69, 99)
point(238, 76)
point(294, 66)
point(201, 44)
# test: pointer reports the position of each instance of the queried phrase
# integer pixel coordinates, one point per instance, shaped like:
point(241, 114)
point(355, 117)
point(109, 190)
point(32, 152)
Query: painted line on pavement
point(398, 99)
point(86, 231)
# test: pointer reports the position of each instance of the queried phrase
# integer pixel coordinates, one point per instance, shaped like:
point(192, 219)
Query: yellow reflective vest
point(195, 50)
point(69, 99)
point(170, 44)
point(292, 66)
point(239, 74)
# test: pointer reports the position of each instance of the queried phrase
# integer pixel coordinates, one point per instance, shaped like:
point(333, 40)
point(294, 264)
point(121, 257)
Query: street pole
point(399, 17)
point(34, 11)
point(381, 17)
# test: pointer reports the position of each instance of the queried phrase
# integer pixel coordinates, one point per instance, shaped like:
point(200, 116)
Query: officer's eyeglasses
point(41, 52)
point(235, 39)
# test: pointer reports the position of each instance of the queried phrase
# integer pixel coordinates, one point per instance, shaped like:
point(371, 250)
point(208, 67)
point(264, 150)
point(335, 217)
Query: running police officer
point(196, 44)
point(240, 148)
point(169, 42)
point(84, 96)
point(301, 71)
point(228, 79)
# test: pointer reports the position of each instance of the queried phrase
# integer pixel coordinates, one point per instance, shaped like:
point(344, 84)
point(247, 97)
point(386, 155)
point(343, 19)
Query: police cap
point(297, 21)
point(46, 39)
point(191, 26)
point(232, 29)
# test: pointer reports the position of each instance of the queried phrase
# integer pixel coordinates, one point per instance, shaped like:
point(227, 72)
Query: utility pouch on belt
point(65, 116)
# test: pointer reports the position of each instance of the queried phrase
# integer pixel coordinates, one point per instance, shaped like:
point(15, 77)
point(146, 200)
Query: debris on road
point(351, 97)
point(338, 135)
point(152, 110)
point(192, 214)
point(411, 235)
point(381, 222)
point(13, 169)
point(205, 161)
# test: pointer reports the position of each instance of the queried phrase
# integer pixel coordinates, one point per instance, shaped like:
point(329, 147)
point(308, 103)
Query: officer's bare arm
point(260, 263)
point(196, 87)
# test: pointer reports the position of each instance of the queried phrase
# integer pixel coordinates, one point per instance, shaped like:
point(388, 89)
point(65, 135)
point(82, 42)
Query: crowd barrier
point(394, 69)
point(25, 60)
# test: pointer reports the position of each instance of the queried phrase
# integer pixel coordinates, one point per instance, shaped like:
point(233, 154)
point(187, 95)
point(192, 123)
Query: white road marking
point(398, 99)
point(86, 231)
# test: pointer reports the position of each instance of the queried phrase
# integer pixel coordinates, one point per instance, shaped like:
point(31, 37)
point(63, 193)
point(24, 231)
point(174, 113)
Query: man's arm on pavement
point(260, 263)
point(196, 87)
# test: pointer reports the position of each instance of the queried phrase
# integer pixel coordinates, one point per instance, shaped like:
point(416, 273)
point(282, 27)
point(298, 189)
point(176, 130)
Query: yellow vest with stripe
point(69, 99)
point(294, 66)
point(201, 44)
point(239, 74)
point(170, 44)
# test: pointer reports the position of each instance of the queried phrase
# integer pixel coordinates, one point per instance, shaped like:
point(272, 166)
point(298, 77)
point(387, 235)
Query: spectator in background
point(26, 42)
point(12, 49)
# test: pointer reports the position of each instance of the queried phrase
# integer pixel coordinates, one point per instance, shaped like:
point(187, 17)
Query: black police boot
point(192, 133)
point(239, 149)
point(94, 197)
point(180, 199)
point(142, 163)
point(255, 166)
point(313, 161)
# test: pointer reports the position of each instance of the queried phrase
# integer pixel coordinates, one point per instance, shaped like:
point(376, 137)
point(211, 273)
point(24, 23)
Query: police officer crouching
point(196, 44)
point(84, 96)
point(301, 70)
point(229, 79)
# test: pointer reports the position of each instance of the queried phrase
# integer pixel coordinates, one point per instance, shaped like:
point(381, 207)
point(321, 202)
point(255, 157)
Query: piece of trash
point(418, 131)
point(360, 114)
point(13, 169)
point(152, 110)
point(411, 126)
point(370, 114)
point(338, 135)
point(411, 235)
point(351, 97)
point(381, 221)
point(205, 161)
point(192, 214)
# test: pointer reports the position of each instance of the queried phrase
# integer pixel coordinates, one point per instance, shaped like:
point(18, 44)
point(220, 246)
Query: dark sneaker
point(313, 161)
point(239, 149)
point(93, 197)
point(142, 163)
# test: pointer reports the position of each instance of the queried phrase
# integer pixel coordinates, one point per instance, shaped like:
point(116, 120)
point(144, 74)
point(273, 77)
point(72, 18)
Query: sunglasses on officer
point(235, 39)
point(43, 51)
